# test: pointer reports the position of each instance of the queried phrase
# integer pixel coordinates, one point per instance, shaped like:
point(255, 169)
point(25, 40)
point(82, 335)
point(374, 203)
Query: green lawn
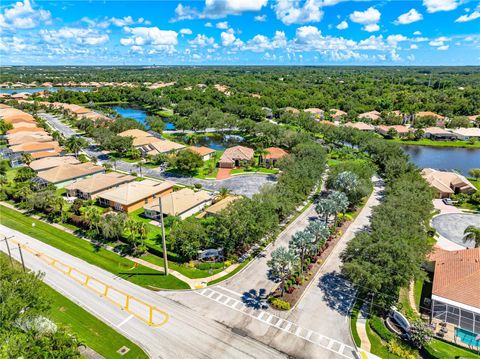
point(254, 170)
point(186, 271)
point(82, 249)
point(377, 346)
point(231, 274)
point(441, 350)
point(418, 292)
point(353, 322)
point(427, 142)
point(88, 329)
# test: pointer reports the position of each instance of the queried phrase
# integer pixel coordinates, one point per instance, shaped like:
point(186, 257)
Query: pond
point(446, 158)
point(220, 142)
point(38, 89)
point(138, 115)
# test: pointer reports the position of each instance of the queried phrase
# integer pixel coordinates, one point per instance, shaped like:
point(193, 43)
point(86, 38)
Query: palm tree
point(142, 231)
point(282, 264)
point(140, 167)
point(320, 231)
point(325, 208)
point(133, 231)
point(261, 152)
point(346, 182)
point(75, 144)
point(93, 215)
point(472, 233)
point(223, 193)
point(339, 202)
point(27, 158)
point(302, 243)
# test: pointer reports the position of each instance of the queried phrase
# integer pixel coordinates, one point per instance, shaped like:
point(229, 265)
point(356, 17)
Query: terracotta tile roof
point(100, 182)
point(50, 162)
point(70, 171)
point(240, 153)
point(291, 109)
point(221, 205)
point(134, 133)
point(457, 275)
point(443, 180)
point(18, 140)
point(371, 115)
point(25, 129)
point(23, 124)
point(9, 114)
point(176, 203)
point(144, 140)
point(164, 146)
point(336, 113)
point(202, 150)
point(468, 132)
point(42, 154)
point(428, 114)
point(399, 128)
point(35, 146)
point(436, 131)
point(325, 122)
point(274, 153)
point(362, 126)
point(132, 192)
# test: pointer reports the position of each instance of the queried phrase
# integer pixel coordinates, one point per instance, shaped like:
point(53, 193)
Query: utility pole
point(21, 256)
point(165, 259)
point(8, 249)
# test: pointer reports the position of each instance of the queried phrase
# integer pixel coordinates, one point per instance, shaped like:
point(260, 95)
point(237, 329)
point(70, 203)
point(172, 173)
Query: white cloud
point(158, 40)
point(196, 57)
point(260, 43)
point(413, 47)
point(343, 25)
point(229, 39)
point(409, 17)
point(185, 31)
point(417, 33)
point(81, 36)
point(216, 9)
point(127, 20)
point(202, 41)
point(440, 5)
point(442, 48)
point(294, 12)
point(208, 24)
point(395, 39)
point(14, 44)
point(440, 43)
point(395, 56)
point(222, 25)
point(21, 15)
point(473, 16)
point(260, 18)
point(369, 18)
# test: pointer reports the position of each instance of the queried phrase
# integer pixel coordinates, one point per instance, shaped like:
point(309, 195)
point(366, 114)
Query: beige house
point(273, 155)
point(316, 113)
point(66, 174)
point(25, 130)
point(447, 183)
point(219, 206)
point(337, 114)
point(131, 196)
point(29, 138)
point(149, 144)
point(371, 115)
point(47, 163)
point(399, 129)
point(438, 133)
point(205, 152)
point(465, 134)
point(234, 156)
point(362, 126)
point(183, 203)
point(89, 188)
point(37, 148)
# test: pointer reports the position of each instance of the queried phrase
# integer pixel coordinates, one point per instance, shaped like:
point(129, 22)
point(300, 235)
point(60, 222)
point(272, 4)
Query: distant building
point(399, 129)
point(337, 114)
point(447, 183)
point(467, 133)
point(89, 188)
point(47, 163)
point(317, 113)
point(219, 206)
point(438, 133)
point(205, 152)
point(235, 156)
point(291, 110)
point(362, 126)
point(183, 203)
point(66, 174)
point(273, 155)
point(371, 115)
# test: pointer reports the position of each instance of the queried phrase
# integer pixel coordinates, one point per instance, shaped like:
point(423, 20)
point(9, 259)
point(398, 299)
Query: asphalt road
point(58, 125)
point(452, 226)
point(187, 334)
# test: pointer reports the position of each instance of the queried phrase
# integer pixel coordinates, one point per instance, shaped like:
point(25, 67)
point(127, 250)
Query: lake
point(220, 142)
point(446, 158)
point(38, 89)
point(138, 115)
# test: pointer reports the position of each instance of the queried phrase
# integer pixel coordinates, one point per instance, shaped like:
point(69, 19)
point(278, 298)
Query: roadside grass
point(231, 274)
point(111, 262)
point(190, 272)
point(377, 346)
point(88, 329)
point(353, 323)
point(254, 170)
point(431, 143)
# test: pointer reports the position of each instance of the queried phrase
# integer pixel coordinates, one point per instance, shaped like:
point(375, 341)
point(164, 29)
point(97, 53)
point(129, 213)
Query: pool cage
point(460, 317)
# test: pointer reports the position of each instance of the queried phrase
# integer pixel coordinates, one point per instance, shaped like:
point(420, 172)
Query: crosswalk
point(275, 321)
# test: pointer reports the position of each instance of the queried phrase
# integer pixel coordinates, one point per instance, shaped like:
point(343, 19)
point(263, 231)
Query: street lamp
point(165, 259)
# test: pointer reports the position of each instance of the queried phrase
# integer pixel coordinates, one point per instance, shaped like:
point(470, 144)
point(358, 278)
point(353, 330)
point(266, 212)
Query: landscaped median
point(109, 261)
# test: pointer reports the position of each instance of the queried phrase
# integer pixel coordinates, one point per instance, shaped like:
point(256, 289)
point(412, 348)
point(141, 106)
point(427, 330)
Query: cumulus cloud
point(127, 20)
point(409, 17)
point(368, 18)
point(470, 17)
point(201, 41)
point(440, 43)
point(440, 5)
point(78, 35)
point(229, 39)
point(185, 31)
point(260, 18)
point(261, 43)
point(216, 9)
point(14, 44)
point(296, 12)
point(21, 15)
point(343, 25)
point(443, 48)
point(417, 33)
point(159, 40)
point(222, 25)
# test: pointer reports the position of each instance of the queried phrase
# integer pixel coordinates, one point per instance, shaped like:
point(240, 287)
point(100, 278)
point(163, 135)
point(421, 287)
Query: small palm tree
point(223, 193)
point(472, 233)
point(282, 264)
point(75, 144)
point(261, 153)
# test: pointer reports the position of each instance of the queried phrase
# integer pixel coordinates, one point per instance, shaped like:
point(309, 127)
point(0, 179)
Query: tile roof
point(100, 182)
point(371, 115)
point(132, 192)
point(437, 131)
point(221, 205)
point(50, 162)
point(43, 154)
point(443, 180)
point(134, 133)
point(70, 171)
point(18, 140)
point(362, 126)
point(176, 203)
point(23, 124)
point(35, 146)
point(274, 153)
point(399, 128)
point(428, 114)
point(25, 129)
point(240, 153)
point(202, 150)
point(457, 275)
point(164, 146)
point(462, 131)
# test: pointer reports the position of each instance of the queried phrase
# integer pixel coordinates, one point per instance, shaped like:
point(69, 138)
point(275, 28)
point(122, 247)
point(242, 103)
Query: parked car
point(449, 201)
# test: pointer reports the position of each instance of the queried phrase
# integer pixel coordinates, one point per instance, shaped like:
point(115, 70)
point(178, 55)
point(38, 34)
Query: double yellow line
point(151, 315)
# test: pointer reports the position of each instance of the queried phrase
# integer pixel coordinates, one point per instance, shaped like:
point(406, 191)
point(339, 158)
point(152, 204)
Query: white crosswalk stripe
point(277, 322)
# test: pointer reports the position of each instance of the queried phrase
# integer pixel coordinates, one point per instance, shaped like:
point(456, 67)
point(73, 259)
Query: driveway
point(452, 225)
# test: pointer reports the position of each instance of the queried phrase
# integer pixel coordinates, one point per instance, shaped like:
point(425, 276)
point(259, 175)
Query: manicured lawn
point(475, 182)
point(231, 274)
point(254, 170)
point(442, 350)
point(88, 329)
point(427, 142)
point(153, 232)
point(377, 346)
point(82, 249)
point(186, 271)
point(353, 323)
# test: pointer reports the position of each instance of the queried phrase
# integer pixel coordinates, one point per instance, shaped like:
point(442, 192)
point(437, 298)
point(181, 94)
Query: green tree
point(93, 215)
point(133, 153)
point(27, 158)
point(75, 144)
point(24, 174)
point(339, 201)
point(319, 231)
point(302, 244)
point(112, 225)
point(155, 123)
point(325, 208)
point(474, 172)
point(420, 334)
point(186, 161)
point(472, 233)
point(187, 238)
point(346, 182)
point(4, 167)
point(281, 264)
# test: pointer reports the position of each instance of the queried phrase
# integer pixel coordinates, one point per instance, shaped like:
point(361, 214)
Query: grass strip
point(109, 261)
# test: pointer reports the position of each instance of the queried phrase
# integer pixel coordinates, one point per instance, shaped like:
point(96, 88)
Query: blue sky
point(256, 32)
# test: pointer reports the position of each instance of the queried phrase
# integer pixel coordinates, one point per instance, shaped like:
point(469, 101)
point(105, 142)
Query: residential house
point(362, 126)
point(465, 134)
point(131, 196)
point(273, 155)
point(205, 152)
point(183, 203)
point(447, 183)
point(66, 174)
point(337, 114)
point(161, 146)
point(10, 114)
point(371, 115)
point(38, 149)
point(235, 156)
point(439, 119)
point(399, 129)
point(47, 163)
point(24, 124)
point(316, 113)
point(18, 140)
point(219, 206)
point(291, 110)
point(25, 130)
point(438, 133)
point(456, 288)
point(90, 187)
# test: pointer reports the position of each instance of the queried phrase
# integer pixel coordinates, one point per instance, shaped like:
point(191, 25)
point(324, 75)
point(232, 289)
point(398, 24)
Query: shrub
point(279, 304)
point(378, 327)
point(400, 350)
point(198, 185)
point(228, 263)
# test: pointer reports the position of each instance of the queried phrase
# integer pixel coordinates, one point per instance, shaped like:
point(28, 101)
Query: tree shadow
point(254, 299)
point(338, 293)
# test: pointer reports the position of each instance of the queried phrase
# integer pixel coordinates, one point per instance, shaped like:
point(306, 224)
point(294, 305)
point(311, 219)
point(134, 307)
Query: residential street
point(57, 125)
